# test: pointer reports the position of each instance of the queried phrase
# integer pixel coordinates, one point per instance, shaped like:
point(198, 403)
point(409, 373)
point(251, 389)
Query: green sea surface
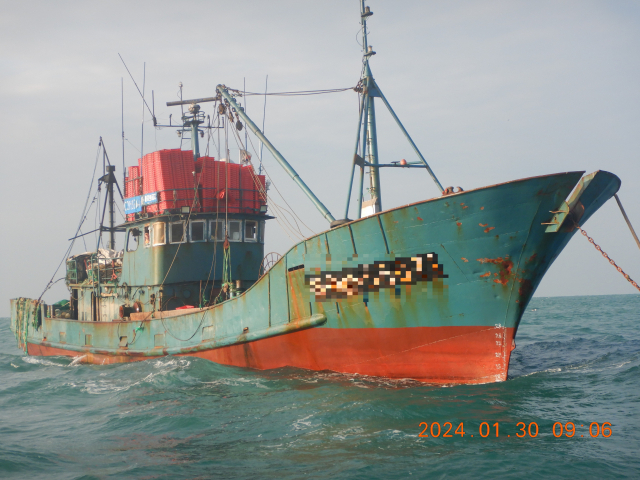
point(577, 360)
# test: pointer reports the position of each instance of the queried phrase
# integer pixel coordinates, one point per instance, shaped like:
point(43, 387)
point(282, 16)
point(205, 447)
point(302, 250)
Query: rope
point(271, 201)
point(291, 94)
point(604, 254)
point(626, 219)
point(275, 206)
point(83, 217)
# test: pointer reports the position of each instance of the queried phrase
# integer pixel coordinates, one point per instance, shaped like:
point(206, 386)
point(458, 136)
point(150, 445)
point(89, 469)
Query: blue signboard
point(150, 198)
point(132, 205)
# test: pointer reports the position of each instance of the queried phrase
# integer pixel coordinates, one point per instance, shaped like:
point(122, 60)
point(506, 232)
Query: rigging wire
point(134, 82)
point(137, 149)
point(215, 245)
point(275, 205)
point(291, 211)
point(295, 93)
point(82, 218)
point(264, 115)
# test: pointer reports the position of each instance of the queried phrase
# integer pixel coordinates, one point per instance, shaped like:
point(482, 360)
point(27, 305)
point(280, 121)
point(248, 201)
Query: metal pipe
point(381, 165)
point(189, 102)
point(277, 155)
point(355, 152)
point(194, 138)
point(364, 149)
point(374, 174)
point(626, 219)
point(395, 117)
point(361, 188)
point(112, 233)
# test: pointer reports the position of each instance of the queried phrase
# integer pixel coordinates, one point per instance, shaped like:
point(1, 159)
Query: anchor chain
point(604, 254)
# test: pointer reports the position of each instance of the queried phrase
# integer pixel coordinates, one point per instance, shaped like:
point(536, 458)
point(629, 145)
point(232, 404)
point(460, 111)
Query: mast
point(193, 121)
point(370, 141)
point(109, 179)
point(112, 231)
point(369, 148)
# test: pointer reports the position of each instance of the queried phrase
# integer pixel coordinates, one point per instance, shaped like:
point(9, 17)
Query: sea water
point(577, 360)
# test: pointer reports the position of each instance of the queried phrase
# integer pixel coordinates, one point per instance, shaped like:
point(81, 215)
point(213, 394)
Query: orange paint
point(487, 230)
point(488, 274)
point(444, 355)
point(464, 260)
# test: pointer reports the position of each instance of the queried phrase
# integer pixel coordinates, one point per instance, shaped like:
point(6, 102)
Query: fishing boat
point(432, 291)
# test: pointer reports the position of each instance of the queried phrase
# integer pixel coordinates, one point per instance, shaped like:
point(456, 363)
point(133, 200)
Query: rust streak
point(464, 260)
point(483, 224)
point(488, 229)
point(459, 224)
point(488, 274)
point(504, 264)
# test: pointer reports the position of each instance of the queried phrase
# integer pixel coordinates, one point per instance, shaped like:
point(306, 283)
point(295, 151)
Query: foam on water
point(577, 360)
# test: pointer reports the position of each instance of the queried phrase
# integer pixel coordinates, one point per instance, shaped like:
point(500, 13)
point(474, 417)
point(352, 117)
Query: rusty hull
point(494, 249)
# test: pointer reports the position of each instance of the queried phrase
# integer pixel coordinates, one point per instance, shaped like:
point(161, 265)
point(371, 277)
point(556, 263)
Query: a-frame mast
point(367, 138)
point(370, 140)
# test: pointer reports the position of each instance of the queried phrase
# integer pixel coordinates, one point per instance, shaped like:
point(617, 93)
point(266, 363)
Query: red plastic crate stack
point(252, 187)
point(132, 187)
point(219, 185)
point(232, 172)
point(206, 180)
point(170, 173)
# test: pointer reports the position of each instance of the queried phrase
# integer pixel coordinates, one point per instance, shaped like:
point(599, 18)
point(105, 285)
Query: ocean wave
point(41, 361)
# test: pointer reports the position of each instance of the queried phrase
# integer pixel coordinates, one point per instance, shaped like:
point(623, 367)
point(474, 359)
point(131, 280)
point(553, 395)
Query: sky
point(491, 91)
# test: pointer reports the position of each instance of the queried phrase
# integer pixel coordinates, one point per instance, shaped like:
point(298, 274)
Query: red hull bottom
point(446, 355)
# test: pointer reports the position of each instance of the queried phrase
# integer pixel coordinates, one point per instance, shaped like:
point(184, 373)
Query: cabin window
point(196, 231)
point(159, 234)
point(147, 236)
point(250, 231)
point(132, 239)
point(176, 232)
point(217, 230)
point(262, 225)
point(235, 230)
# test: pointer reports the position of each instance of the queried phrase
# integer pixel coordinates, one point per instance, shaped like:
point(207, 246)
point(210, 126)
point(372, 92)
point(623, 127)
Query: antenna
point(264, 114)
point(246, 133)
point(124, 173)
point(144, 79)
